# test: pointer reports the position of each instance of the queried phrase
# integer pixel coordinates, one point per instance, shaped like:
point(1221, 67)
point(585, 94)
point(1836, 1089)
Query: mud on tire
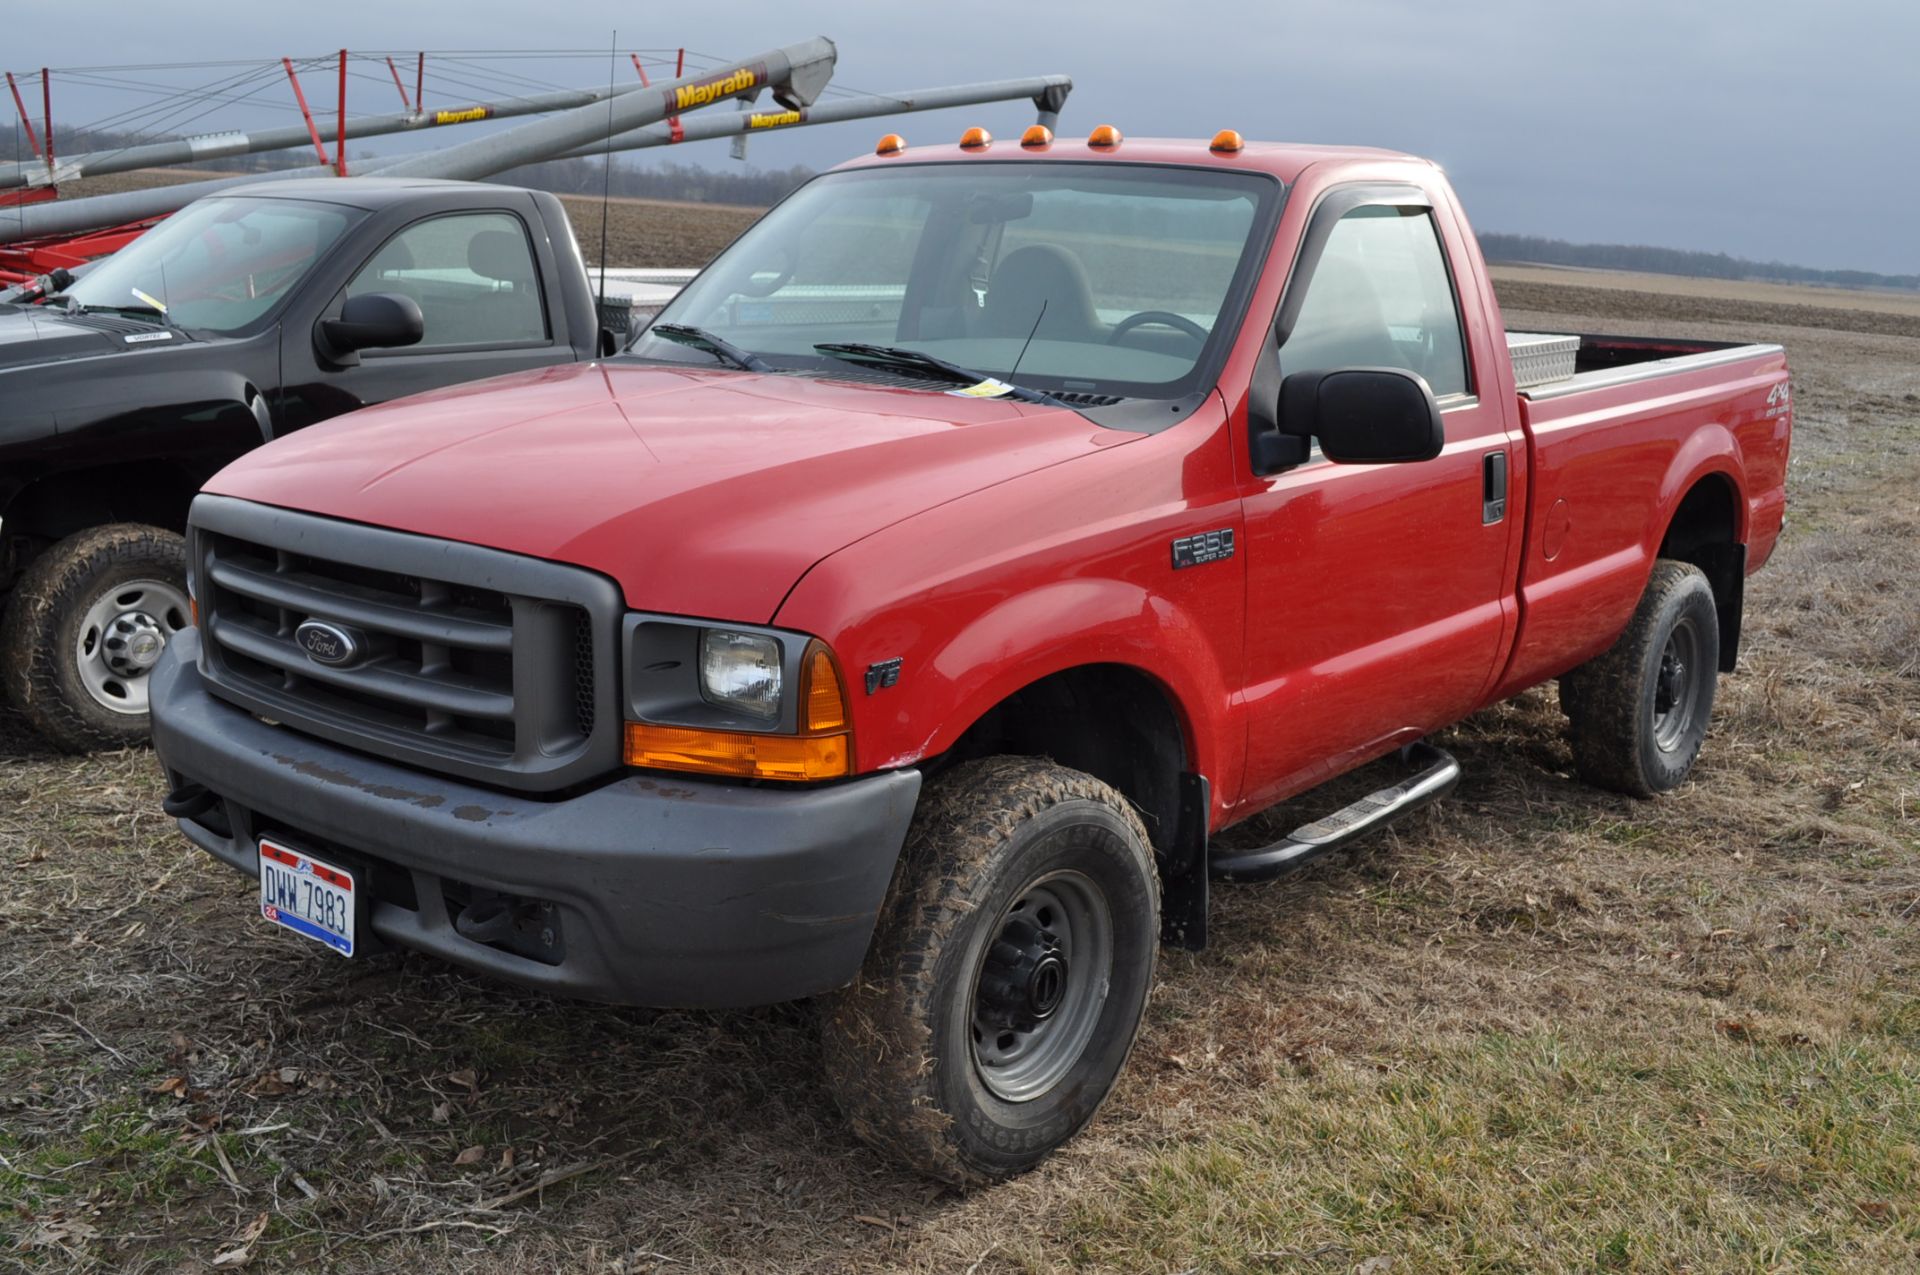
point(83, 576)
point(961, 1051)
point(1638, 712)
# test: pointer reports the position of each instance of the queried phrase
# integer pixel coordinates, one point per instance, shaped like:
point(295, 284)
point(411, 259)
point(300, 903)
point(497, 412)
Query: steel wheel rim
point(122, 636)
point(1040, 984)
point(1677, 686)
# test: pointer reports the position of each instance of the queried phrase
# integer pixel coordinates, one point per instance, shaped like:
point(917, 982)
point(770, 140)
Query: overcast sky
point(1764, 128)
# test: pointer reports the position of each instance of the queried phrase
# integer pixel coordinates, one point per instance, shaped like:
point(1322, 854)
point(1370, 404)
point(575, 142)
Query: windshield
point(218, 264)
point(1102, 279)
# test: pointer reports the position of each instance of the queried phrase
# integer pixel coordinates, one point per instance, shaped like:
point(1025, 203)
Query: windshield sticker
point(988, 388)
point(155, 302)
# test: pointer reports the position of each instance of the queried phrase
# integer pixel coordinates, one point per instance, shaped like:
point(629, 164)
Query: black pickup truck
point(238, 319)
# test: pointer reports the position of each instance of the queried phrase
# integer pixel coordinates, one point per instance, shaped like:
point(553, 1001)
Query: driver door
point(1375, 593)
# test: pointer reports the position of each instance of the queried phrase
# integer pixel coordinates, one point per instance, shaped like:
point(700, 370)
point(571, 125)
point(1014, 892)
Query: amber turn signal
point(975, 139)
point(1227, 142)
point(891, 144)
point(1037, 137)
point(823, 705)
point(738, 753)
point(1106, 137)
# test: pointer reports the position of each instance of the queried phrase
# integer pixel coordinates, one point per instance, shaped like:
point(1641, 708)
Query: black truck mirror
point(370, 321)
point(1363, 416)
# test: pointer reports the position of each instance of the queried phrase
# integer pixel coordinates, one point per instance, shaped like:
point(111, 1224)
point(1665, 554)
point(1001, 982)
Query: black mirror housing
point(1364, 415)
point(370, 321)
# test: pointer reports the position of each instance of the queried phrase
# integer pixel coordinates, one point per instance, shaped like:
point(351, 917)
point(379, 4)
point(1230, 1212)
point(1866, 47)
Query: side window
point(1380, 297)
point(472, 275)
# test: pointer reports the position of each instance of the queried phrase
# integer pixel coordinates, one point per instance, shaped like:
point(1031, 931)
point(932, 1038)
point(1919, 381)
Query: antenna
point(1030, 331)
point(606, 180)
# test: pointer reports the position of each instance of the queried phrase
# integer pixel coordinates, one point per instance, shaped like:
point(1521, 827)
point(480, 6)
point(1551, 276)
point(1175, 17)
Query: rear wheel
point(1639, 712)
point(1008, 976)
point(84, 628)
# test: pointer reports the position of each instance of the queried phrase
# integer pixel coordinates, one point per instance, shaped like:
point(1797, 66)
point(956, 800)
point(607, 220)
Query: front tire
point(84, 627)
point(1008, 976)
point(1638, 712)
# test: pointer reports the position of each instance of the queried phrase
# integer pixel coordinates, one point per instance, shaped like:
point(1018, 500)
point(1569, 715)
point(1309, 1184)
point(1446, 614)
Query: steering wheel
point(1164, 318)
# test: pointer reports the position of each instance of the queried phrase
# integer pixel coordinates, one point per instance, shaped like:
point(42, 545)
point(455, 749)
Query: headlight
point(752, 705)
point(741, 671)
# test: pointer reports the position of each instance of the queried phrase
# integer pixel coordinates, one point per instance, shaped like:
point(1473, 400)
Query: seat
point(501, 255)
point(1041, 273)
point(1342, 324)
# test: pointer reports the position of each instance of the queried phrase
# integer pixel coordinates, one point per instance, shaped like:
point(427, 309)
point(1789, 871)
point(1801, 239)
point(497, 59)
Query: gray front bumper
point(671, 891)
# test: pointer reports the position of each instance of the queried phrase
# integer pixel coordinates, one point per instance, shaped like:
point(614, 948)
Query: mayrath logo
point(691, 95)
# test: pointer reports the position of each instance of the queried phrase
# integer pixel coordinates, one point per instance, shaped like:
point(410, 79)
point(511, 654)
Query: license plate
point(306, 895)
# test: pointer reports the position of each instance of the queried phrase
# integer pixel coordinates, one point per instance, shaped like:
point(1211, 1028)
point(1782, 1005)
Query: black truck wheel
point(86, 623)
point(1008, 975)
point(1638, 713)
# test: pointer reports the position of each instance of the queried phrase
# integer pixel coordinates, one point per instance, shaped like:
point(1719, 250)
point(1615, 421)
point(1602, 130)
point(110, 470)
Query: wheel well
point(55, 507)
point(1113, 722)
point(1705, 531)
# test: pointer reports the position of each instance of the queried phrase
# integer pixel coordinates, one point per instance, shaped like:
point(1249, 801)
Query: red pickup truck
point(981, 532)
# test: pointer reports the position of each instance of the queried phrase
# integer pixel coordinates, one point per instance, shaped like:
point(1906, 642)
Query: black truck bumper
point(654, 890)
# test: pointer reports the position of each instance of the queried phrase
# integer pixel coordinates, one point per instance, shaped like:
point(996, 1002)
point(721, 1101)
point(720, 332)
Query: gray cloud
point(1764, 128)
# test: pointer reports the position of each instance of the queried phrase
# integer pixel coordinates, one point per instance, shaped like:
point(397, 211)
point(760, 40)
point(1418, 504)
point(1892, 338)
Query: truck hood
point(31, 335)
point(702, 492)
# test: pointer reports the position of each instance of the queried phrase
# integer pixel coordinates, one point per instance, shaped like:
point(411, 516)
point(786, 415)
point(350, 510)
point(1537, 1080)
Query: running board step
point(1437, 775)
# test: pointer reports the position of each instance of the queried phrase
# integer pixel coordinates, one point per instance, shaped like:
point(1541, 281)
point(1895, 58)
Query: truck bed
point(1603, 447)
point(1622, 360)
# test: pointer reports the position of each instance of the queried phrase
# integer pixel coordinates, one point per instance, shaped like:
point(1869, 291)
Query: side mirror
point(1361, 416)
point(370, 321)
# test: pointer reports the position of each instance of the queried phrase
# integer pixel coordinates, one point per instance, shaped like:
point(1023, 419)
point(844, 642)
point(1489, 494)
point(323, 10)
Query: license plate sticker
point(308, 896)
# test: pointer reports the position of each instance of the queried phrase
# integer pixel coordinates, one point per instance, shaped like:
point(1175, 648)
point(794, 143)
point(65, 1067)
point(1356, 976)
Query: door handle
point(1493, 487)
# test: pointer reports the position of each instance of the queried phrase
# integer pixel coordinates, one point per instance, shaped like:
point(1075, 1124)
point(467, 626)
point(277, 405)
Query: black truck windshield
point(1105, 279)
point(217, 265)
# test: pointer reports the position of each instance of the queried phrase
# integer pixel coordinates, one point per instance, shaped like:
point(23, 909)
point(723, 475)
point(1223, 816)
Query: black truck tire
point(1008, 975)
point(85, 623)
point(1638, 712)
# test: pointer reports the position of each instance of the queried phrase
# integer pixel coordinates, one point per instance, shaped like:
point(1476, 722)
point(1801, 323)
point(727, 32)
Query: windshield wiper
point(896, 358)
point(159, 316)
point(720, 348)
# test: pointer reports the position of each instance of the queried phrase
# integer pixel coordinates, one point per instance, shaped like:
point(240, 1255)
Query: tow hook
point(189, 801)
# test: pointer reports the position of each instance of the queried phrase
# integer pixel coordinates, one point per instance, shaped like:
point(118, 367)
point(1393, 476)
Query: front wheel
point(85, 626)
point(1639, 711)
point(1008, 975)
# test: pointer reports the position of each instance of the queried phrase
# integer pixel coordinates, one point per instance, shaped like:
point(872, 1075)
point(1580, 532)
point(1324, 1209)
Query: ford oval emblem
point(329, 644)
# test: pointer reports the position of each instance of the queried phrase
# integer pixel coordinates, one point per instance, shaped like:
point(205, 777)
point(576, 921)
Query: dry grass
point(1540, 1028)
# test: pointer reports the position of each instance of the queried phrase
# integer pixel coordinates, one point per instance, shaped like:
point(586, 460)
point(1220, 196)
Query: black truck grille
point(468, 660)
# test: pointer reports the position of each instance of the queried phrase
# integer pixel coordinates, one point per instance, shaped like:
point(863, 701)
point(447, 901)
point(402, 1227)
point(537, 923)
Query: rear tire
point(1639, 712)
point(83, 628)
point(1008, 976)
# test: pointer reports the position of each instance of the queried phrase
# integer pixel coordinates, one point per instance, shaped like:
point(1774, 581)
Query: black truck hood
point(46, 334)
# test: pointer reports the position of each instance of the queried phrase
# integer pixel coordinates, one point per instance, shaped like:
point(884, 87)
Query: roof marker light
point(1106, 137)
point(1037, 137)
point(1227, 142)
point(975, 139)
point(891, 144)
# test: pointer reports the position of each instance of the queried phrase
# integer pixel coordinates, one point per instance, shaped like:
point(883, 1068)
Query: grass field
point(1538, 1028)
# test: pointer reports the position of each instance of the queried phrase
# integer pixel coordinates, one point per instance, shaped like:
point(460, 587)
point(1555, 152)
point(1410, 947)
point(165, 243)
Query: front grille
point(475, 662)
